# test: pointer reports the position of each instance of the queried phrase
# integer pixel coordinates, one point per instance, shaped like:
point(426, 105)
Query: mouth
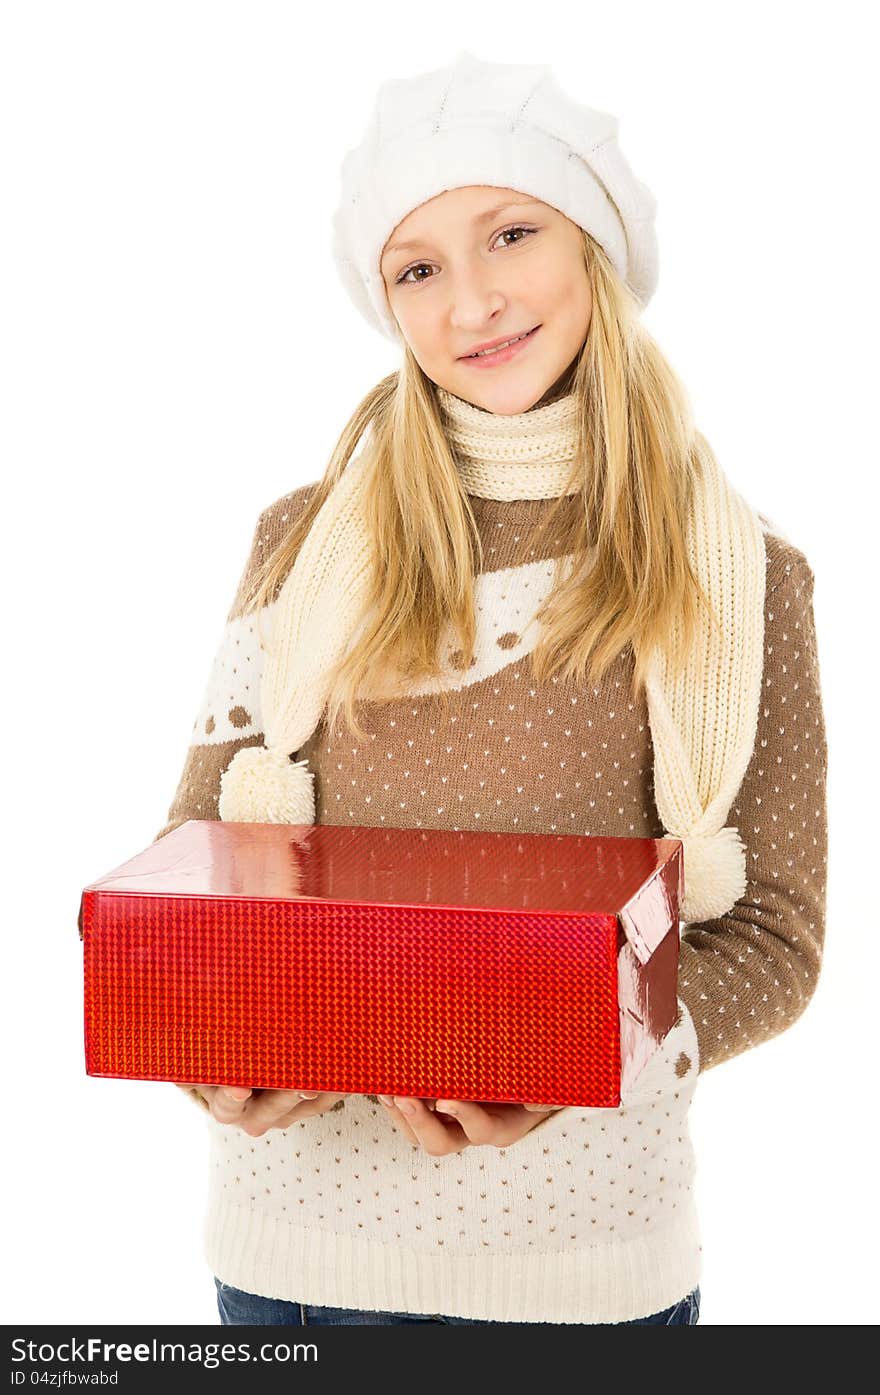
point(504, 352)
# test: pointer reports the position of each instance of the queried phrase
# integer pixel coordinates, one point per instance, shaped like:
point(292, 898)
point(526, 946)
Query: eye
point(417, 266)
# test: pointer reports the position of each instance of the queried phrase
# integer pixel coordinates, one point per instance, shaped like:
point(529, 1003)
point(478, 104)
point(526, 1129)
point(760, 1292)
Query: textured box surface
point(489, 966)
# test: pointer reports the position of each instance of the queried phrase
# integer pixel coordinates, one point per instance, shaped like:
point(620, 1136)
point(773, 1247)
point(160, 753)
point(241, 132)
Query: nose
point(474, 302)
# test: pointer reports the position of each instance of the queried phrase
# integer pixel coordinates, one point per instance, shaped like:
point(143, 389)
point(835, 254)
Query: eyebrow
point(480, 218)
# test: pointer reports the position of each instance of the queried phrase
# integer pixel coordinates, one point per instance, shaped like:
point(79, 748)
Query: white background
point(177, 352)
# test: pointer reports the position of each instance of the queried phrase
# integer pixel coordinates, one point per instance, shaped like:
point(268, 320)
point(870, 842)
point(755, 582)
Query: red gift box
point(522, 967)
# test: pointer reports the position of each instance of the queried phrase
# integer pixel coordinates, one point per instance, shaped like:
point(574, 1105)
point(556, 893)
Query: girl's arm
point(230, 716)
point(749, 974)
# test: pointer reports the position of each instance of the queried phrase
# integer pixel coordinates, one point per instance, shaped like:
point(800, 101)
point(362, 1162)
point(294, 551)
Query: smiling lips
point(504, 352)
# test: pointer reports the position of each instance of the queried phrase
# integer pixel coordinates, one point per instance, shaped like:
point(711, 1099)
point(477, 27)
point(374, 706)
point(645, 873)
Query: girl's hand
point(450, 1125)
point(257, 1111)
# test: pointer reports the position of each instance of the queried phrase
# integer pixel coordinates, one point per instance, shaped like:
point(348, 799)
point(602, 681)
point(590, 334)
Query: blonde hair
point(635, 464)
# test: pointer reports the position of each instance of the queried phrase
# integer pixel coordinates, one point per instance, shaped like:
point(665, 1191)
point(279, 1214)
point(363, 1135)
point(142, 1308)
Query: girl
point(531, 601)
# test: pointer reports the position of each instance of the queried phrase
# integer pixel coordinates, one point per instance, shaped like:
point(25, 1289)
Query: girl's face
point(473, 271)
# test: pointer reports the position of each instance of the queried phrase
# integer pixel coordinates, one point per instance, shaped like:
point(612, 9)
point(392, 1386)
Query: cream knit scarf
point(702, 725)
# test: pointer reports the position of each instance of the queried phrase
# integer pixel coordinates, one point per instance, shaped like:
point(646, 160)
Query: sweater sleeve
point(749, 974)
point(224, 723)
point(229, 717)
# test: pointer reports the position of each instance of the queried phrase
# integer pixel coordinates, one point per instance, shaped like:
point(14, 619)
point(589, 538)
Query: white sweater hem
point(610, 1282)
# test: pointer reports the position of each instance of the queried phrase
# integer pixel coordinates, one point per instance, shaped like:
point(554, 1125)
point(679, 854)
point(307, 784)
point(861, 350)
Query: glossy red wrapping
point(524, 967)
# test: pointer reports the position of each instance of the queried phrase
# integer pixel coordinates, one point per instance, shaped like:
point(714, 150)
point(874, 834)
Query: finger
point(237, 1092)
point(204, 1092)
point(398, 1119)
point(543, 1108)
point(263, 1111)
point(227, 1105)
point(315, 1102)
point(430, 1129)
point(475, 1120)
point(492, 1122)
point(389, 1099)
point(309, 1103)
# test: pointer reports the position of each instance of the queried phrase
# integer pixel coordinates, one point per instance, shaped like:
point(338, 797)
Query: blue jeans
point(241, 1309)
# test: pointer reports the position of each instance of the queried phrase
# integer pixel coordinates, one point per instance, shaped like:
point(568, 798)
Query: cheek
point(582, 303)
point(568, 293)
point(423, 330)
point(573, 312)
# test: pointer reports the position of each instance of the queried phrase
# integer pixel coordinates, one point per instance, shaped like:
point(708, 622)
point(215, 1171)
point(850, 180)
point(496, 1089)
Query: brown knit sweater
point(510, 755)
point(591, 1216)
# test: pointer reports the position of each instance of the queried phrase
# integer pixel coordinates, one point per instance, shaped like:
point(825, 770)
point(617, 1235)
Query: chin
point(508, 399)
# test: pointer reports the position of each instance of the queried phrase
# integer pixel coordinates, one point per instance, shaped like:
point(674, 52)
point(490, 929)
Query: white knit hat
point(504, 124)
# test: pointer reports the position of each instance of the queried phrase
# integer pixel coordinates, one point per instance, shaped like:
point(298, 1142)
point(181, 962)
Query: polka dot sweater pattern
point(591, 1216)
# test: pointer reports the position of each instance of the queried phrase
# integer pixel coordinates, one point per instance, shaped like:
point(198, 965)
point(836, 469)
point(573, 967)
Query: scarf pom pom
point(714, 874)
point(265, 786)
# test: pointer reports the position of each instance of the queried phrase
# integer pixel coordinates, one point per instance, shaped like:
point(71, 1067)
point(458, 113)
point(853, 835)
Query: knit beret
point(474, 122)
